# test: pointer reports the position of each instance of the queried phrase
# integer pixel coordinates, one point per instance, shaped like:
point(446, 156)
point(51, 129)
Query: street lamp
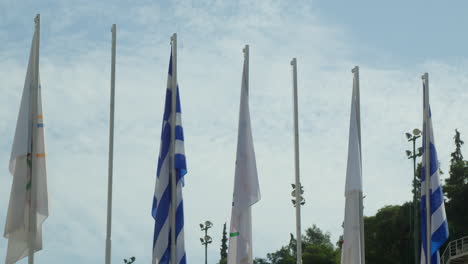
point(207, 239)
point(413, 155)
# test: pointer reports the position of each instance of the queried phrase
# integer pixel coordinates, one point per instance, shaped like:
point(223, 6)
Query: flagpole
point(111, 150)
point(33, 192)
point(172, 150)
point(246, 63)
point(427, 153)
point(296, 165)
point(355, 71)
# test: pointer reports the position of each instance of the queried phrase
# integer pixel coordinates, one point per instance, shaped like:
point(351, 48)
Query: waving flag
point(28, 207)
point(246, 187)
point(436, 223)
point(162, 202)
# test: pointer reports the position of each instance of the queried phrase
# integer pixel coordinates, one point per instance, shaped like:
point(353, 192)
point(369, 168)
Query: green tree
point(285, 255)
point(260, 261)
point(388, 237)
point(457, 155)
point(456, 191)
point(316, 236)
point(224, 247)
point(317, 249)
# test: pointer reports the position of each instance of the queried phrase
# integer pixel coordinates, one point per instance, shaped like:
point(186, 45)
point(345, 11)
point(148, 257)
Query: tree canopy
point(456, 192)
point(317, 248)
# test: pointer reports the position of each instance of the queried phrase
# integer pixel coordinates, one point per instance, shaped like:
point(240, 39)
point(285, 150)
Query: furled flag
point(162, 204)
point(353, 243)
point(246, 187)
point(438, 219)
point(28, 207)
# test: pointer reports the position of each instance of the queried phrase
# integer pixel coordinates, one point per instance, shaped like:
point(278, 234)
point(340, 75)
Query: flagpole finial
point(37, 19)
point(174, 37)
point(246, 51)
point(425, 76)
point(355, 69)
point(293, 61)
point(114, 27)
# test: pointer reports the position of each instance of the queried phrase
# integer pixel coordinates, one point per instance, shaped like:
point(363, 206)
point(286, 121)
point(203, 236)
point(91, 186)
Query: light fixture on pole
point(293, 194)
point(206, 239)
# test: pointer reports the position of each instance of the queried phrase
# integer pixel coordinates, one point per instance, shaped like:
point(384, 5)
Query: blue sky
point(409, 32)
point(392, 42)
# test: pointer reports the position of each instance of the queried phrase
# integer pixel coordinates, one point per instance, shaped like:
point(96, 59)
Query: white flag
point(27, 165)
point(246, 187)
point(352, 249)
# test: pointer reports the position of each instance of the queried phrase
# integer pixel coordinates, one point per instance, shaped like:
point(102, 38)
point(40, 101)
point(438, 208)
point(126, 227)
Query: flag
point(28, 207)
point(161, 210)
point(246, 187)
point(352, 247)
point(438, 219)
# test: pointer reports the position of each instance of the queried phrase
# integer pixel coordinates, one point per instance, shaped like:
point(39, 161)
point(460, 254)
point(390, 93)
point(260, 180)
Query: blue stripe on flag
point(423, 220)
point(183, 260)
point(179, 133)
point(436, 199)
point(161, 212)
point(180, 218)
point(168, 104)
point(166, 258)
point(439, 237)
point(434, 161)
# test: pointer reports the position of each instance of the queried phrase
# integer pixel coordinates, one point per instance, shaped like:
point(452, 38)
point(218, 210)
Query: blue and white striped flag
point(438, 220)
point(162, 193)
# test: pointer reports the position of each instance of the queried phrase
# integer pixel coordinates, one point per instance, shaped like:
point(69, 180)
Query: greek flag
point(162, 194)
point(438, 220)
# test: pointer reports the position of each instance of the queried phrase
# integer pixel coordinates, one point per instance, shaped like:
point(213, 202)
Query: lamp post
point(207, 239)
point(413, 155)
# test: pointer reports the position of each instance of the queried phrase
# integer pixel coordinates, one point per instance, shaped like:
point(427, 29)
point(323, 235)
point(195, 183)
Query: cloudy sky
point(393, 42)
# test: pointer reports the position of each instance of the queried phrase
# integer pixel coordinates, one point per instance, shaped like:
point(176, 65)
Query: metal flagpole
point(355, 71)
point(111, 150)
point(427, 153)
point(296, 165)
point(33, 190)
point(172, 153)
point(246, 59)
